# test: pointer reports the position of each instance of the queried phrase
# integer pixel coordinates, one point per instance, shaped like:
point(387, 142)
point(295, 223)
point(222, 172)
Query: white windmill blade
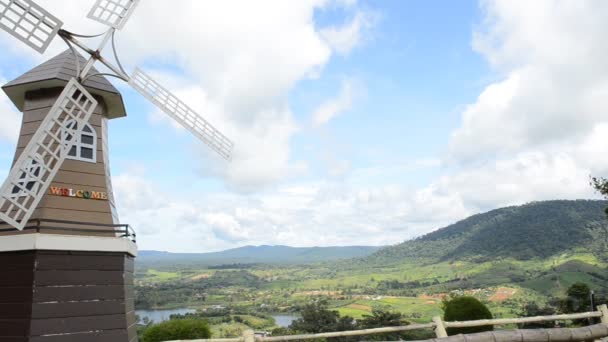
point(28, 22)
point(113, 13)
point(39, 162)
point(181, 113)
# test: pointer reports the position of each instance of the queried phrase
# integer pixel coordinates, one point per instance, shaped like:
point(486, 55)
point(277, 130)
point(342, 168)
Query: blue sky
point(355, 122)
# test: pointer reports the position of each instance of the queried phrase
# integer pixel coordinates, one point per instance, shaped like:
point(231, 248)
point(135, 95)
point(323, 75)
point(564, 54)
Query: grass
point(155, 275)
point(414, 308)
point(225, 330)
point(287, 288)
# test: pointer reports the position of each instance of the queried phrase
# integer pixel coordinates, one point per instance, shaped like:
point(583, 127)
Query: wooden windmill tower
point(66, 263)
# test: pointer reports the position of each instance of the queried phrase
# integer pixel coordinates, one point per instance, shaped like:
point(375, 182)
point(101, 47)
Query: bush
point(466, 309)
point(178, 329)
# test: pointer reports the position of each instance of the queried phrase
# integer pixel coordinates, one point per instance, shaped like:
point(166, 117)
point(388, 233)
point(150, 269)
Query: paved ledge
point(57, 242)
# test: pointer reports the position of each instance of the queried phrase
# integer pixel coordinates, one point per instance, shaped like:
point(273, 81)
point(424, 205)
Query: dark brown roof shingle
point(56, 72)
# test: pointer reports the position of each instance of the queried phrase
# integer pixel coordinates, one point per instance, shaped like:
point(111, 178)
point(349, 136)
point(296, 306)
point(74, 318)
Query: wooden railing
point(67, 227)
point(592, 332)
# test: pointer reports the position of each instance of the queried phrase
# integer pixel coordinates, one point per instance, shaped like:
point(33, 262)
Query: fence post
point(604, 310)
point(439, 327)
point(248, 336)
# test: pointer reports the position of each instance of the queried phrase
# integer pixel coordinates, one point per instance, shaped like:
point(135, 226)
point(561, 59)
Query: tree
point(578, 298)
point(178, 329)
point(466, 308)
point(379, 319)
point(532, 310)
point(317, 318)
point(600, 184)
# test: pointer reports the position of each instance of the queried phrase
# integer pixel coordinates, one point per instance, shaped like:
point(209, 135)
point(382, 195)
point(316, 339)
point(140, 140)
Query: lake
point(284, 320)
point(161, 315)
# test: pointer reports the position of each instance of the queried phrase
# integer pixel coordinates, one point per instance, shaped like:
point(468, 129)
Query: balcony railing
point(589, 333)
point(56, 226)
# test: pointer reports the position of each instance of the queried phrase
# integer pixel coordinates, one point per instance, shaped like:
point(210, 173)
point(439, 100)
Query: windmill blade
point(113, 13)
point(181, 113)
point(39, 162)
point(28, 22)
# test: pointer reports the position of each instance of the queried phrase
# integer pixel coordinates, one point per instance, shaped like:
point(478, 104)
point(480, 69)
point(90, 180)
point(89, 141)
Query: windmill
point(31, 175)
point(66, 265)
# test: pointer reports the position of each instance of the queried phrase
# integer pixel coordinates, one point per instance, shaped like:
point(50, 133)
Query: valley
point(411, 278)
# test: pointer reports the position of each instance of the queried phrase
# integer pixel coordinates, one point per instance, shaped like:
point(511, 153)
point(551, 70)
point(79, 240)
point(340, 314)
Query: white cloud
point(536, 134)
point(301, 214)
point(540, 132)
point(555, 89)
point(226, 227)
point(337, 105)
point(240, 60)
point(526, 177)
point(343, 39)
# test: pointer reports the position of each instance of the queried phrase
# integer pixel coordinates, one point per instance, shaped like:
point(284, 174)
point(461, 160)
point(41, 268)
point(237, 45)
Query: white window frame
point(79, 144)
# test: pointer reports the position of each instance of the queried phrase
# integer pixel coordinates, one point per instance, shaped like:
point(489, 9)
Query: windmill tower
point(82, 189)
point(66, 264)
point(70, 270)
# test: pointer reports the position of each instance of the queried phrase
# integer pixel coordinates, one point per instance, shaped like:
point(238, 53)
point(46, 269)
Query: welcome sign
point(66, 192)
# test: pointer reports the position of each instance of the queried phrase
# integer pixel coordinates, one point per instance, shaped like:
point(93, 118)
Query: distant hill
point(533, 231)
point(256, 254)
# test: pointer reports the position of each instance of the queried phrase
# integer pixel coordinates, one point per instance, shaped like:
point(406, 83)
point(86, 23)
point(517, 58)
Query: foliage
point(379, 319)
point(178, 329)
point(535, 230)
point(466, 308)
point(578, 299)
point(165, 293)
point(600, 184)
point(532, 310)
point(317, 318)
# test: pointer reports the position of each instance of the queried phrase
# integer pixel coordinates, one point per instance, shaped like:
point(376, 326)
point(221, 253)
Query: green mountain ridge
point(535, 230)
point(258, 254)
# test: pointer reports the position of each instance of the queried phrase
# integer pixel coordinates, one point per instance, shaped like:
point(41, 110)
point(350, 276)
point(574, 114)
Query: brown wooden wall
point(77, 175)
point(51, 296)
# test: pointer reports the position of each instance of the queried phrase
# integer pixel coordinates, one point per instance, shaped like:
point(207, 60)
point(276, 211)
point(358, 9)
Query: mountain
point(257, 254)
point(536, 230)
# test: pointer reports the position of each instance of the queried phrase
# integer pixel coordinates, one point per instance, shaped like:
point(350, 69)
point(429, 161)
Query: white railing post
point(439, 327)
point(604, 310)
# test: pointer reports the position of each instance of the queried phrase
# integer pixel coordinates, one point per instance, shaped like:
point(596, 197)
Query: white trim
point(57, 242)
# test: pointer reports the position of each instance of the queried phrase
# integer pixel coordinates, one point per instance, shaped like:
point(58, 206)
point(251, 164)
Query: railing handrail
point(347, 333)
point(504, 321)
point(125, 229)
point(437, 324)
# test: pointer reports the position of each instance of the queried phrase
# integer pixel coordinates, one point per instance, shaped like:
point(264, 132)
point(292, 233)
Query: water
point(284, 320)
point(161, 315)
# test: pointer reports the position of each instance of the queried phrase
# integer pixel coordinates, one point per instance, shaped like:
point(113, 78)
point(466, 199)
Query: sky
point(354, 122)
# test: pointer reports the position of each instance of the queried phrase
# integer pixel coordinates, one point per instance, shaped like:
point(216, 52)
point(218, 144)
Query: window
point(29, 179)
point(85, 148)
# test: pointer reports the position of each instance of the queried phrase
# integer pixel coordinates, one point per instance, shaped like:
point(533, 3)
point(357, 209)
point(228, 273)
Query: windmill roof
point(56, 72)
